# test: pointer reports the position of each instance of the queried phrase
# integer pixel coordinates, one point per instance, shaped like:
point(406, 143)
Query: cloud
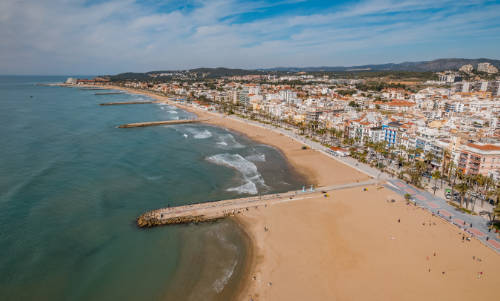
point(71, 37)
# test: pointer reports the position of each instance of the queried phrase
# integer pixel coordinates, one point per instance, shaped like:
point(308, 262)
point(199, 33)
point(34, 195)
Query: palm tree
point(488, 183)
point(302, 128)
point(428, 157)
point(496, 210)
point(340, 134)
point(479, 182)
point(435, 175)
point(332, 132)
point(462, 188)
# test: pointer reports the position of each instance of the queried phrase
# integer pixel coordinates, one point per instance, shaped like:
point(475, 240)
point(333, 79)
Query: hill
point(423, 66)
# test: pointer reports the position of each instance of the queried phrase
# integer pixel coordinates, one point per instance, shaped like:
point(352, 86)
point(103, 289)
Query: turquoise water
point(72, 184)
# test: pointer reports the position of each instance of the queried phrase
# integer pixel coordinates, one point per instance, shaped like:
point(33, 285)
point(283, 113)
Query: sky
point(113, 36)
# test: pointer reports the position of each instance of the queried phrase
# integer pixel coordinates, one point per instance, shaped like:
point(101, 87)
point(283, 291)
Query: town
point(439, 131)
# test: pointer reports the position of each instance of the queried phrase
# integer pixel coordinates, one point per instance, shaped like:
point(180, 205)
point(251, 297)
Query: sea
point(72, 185)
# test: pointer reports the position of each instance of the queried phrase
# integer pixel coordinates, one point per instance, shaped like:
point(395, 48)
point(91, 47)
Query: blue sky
point(111, 36)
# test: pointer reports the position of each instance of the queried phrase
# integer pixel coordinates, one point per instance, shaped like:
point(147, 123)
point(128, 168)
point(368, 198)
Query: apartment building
point(479, 158)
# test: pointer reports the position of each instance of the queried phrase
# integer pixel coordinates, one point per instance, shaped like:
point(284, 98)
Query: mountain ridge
point(422, 66)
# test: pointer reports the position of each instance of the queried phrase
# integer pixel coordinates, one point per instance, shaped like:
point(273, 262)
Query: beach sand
point(350, 245)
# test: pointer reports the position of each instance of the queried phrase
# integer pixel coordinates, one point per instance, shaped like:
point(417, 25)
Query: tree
point(332, 132)
point(487, 192)
point(302, 128)
point(462, 188)
point(435, 175)
point(496, 211)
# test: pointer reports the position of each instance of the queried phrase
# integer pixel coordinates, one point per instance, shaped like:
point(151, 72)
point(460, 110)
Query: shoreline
point(311, 235)
point(308, 174)
point(304, 162)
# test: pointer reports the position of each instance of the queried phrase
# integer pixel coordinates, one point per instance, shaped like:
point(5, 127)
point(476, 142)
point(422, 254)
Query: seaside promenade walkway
point(472, 224)
point(210, 211)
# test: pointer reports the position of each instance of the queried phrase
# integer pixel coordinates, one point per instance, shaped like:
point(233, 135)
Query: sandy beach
point(353, 244)
point(350, 246)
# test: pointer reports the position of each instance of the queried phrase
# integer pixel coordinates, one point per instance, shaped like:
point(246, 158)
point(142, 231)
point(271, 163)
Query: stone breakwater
point(212, 211)
point(128, 103)
point(155, 123)
point(148, 221)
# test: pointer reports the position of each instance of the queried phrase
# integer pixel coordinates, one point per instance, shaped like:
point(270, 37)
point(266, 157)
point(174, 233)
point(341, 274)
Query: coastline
point(322, 244)
point(307, 163)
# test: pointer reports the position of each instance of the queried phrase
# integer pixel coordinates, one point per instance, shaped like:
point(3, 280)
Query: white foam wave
point(185, 135)
point(221, 282)
point(173, 112)
point(257, 158)
point(248, 170)
point(228, 141)
point(199, 134)
point(249, 188)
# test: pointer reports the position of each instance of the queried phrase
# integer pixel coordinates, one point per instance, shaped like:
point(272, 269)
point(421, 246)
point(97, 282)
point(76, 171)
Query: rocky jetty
point(150, 219)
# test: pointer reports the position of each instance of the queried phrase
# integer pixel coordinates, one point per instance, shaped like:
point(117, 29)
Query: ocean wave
point(247, 169)
point(228, 141)
point(221, 236)
point(220, 283)
point(249, 188)
point(199, 134)
point(257, 158)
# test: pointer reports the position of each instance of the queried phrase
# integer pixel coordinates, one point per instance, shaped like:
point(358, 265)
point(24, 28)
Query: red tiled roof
point(485, 147)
